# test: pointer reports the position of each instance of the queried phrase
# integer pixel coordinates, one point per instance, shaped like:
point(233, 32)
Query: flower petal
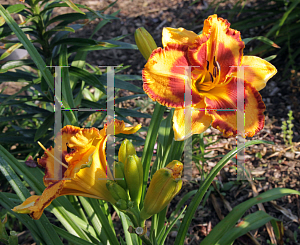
point(164, 76)
point(257, 71)
point(120, 128)
point(177, 36)
point(225, 98)
point(200, 122)
point(76, 149)
point(24, 207)
point(197, 53)
point(35, 205)
point(224, 45)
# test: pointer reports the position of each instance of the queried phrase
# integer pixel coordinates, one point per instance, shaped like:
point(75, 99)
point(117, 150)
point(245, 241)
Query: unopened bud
point(119, 175)
point(126, 149)
point(164, 185)
point(145, 42)
point(121, 204)
point(133, 171)
point(117, 192)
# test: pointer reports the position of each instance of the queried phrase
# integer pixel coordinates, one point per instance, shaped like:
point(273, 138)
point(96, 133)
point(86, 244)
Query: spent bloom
point(83, 162)
point(213, 58)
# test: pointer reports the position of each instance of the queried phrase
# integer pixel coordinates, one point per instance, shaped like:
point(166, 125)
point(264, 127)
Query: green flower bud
point(117, 192)
point(126, 149)
point(121, 204)
point(133, 170)
point(164, 185)
point(119, 175)
point(13, 238)
point(145, 42)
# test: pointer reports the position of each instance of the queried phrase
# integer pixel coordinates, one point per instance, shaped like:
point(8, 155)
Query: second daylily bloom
point(83, 163)
point(213, 58)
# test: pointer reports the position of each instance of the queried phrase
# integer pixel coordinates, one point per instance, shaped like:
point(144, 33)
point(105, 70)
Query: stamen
point(215, 71)
point(218, 68)
point(207, 65)
point(216, 64)
point(48, 152)
point(211, 77)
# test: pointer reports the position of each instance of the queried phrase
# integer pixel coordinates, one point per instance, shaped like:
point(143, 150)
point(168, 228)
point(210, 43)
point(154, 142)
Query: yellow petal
point(177, 36)
point(77, 147)
point(119, 128)
point(24, 207)
point(164, 76)
point(257, 71)
point(36, 209)
point(200, 121)
point(224, 45)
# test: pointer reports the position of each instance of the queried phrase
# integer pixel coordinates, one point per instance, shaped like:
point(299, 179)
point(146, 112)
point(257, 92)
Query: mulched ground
point(270, 165)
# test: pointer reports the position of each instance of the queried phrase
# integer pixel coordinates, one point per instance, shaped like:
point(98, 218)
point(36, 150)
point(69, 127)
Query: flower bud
point(133, 171)
point(117, 192)
point(164, 185)
point(145, 42)
point(121, 204)
point(119, 175)
point(126, 149)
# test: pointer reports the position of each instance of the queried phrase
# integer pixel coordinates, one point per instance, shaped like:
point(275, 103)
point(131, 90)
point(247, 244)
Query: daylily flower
point(83, 167)
point(213, 57)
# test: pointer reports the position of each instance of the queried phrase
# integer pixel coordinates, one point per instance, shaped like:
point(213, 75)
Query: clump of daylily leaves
point(213, 57)
point(85, 173)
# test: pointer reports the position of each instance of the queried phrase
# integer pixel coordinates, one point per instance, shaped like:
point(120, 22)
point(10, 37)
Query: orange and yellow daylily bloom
point(83, 163)
point(213, 57)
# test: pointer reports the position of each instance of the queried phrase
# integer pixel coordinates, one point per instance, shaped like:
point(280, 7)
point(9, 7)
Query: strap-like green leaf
point(202, 190)
point(249, 223)
point(94, 219)
point(29, 47)
point(12, 9)
point(87, 77)
point(237, 212)
point(43, 225)
point(150, 142)
point(261, 38)
point(10, 50)
point(71, 238)
point(48, 123)
point(110, 233)
point(73, 6)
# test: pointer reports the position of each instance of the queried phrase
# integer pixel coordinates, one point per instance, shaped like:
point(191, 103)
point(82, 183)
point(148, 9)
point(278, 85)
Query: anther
point(207, 65)
point(211, 77)
point(218, 67)
point(215, 64)
point(215, 71)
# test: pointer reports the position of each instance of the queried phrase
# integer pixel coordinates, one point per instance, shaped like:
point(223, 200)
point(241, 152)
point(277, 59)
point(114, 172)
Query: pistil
point(48, 152)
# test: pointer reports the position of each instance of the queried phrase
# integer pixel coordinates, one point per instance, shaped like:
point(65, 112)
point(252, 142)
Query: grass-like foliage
point(30, 117)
